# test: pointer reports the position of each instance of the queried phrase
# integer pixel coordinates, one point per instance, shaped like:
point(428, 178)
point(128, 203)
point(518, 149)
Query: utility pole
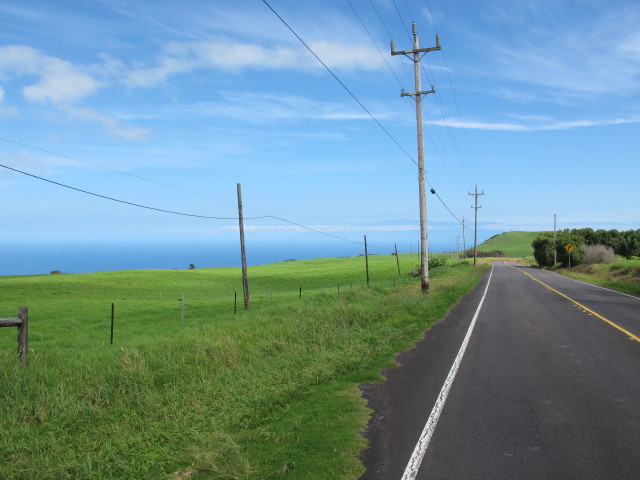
point(366, 258)
point(245, 281)
point(464, 239)
point(458, 247)
point(554, 240)
point(475, 235)
point(416, 56)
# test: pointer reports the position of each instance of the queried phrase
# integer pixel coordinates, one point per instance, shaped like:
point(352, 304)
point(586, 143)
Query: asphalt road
point(548, 387)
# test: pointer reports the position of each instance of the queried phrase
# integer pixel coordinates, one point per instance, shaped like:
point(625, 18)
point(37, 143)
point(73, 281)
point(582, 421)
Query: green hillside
point(513, 244)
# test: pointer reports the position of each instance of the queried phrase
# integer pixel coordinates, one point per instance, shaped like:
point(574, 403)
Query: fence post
point(23, 337)
point(183, 311)
point(113, 314)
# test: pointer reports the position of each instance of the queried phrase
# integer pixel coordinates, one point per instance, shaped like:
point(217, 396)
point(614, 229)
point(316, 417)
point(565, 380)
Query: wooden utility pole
point(464, 240)
point(397, 260)
point(245, 281)
point(554, 240)
point(416, 56)
point(475, 234)
point(366, 258)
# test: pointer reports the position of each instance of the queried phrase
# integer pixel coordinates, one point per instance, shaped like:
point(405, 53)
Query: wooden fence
point(22, 322)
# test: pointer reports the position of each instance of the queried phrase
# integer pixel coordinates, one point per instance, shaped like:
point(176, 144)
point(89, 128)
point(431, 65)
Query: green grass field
point(268, 393)
point(513, 244)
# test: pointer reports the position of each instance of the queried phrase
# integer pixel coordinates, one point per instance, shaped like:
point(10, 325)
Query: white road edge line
point(635, 297)
point(598, 286)
point(423, 442)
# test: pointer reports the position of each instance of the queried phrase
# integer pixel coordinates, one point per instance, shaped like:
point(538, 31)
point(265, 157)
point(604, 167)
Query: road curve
point(547, 387)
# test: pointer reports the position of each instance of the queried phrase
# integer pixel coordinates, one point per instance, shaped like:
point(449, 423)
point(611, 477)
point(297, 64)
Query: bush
point(543, 249)
point(599, 254)
point(468, 253)
point(434, 262)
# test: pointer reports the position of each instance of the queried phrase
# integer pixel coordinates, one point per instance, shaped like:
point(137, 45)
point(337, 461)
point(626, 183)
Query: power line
point(453, 91)
point(352, 95)
point(161, 210)
point(117, 199)
point(113, 170)
point(340, 82)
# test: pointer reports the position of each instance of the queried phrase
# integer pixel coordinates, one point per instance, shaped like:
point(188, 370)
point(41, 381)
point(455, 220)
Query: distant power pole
point(464, 239)
point(415, 52)
point(554, 240)
point(458, 247)
point(475, 235)
point(245, 281)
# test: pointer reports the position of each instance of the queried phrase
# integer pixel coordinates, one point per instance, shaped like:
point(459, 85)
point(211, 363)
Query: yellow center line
point(614, 325)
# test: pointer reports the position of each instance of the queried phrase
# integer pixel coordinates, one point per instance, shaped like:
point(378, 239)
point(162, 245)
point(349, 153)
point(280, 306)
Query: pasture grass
point(623, 275)
point(267, 393)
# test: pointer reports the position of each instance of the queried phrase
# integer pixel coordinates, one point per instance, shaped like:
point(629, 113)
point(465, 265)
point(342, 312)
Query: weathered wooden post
point(23, 334)
point(22, 322)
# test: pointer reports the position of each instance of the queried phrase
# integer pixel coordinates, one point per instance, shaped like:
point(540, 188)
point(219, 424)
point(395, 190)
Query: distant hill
point(513, 244)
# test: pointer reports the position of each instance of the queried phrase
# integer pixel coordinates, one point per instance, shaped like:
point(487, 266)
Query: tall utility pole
point(415, 56)
point(464, 240)
point(245, 281)
point(554, 240)
point(475, 234)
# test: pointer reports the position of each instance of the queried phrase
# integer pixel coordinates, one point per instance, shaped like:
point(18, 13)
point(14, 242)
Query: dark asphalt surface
point(546, 389)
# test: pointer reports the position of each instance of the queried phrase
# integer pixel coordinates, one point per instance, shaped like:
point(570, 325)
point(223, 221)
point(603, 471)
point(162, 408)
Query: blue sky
point(171, 104)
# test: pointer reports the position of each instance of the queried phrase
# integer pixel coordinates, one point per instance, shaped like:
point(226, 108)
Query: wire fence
point(141, 318)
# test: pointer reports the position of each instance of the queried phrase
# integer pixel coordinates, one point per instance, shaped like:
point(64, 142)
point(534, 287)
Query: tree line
point(625, 244)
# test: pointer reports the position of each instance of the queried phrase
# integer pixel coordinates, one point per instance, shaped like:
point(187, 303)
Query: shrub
point(434, 262)
point(468, 253)
point(543, 249)
point(599, 254)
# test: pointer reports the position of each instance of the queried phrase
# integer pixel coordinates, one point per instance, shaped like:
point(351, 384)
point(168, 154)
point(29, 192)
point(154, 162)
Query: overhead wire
point(97, 165)
point(431, 79)
point(340, 82)
point(435, 145)
point(453, 92)
point(106, 197)
point(173, 212)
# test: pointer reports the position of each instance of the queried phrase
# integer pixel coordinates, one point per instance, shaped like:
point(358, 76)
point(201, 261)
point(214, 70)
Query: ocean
point(81, 257)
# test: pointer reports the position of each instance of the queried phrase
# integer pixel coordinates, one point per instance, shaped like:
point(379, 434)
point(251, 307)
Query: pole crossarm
point(413, 94)
point(415, 50)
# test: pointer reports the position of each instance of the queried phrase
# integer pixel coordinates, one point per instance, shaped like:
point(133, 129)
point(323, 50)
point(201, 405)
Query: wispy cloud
point(577, 60)
point(534, 125)
point(232, 56)
point(112, 125)
point(329, 228)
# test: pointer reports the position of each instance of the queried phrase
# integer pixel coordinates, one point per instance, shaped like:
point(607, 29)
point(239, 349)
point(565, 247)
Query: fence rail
point(22, 322)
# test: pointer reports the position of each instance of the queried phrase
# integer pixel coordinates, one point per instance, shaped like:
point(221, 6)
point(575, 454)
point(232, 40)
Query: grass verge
point(623, 275)
point(270, 393)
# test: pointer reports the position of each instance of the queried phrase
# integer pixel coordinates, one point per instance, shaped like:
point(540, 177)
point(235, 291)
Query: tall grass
point(623, 275)
point(269, 393)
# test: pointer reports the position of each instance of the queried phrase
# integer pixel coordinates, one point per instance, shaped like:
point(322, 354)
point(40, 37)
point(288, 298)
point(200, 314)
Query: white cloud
point(232, 56)
point(7, 112)
point(574, 61)
point(60, 82)
point(542, 124)
point(112, 125)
